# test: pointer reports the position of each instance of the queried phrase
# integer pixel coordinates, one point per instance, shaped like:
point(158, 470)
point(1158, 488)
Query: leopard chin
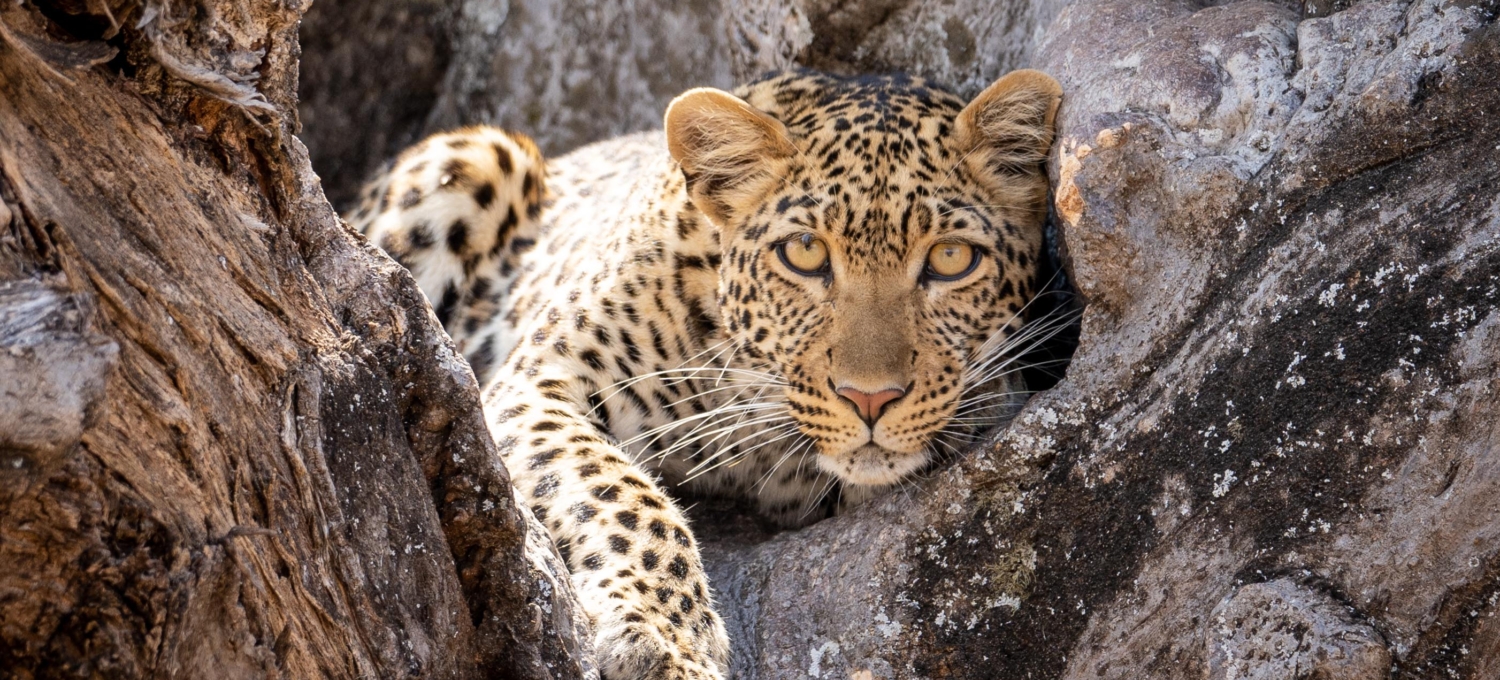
point(873, 465)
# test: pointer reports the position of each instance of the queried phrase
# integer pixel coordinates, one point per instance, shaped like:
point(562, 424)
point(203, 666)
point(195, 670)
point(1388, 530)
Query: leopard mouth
point(873, 465)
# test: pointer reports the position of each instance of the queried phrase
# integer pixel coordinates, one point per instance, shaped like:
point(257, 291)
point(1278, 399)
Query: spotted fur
point(644, 330)
point(459, 210)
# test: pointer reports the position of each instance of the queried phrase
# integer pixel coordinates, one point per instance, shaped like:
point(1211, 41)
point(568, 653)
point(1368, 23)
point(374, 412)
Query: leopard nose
point(869, 405)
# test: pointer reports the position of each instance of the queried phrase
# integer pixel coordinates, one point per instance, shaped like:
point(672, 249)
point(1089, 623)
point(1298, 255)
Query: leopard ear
point(1008, 128)
point(731, 152)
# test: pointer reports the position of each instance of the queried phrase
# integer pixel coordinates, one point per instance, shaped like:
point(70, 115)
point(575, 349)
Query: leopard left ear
point(1008, 128)
point(731, 152)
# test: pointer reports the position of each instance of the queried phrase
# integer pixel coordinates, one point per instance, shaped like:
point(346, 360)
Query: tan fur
point(1010, 126)
point(724, 143)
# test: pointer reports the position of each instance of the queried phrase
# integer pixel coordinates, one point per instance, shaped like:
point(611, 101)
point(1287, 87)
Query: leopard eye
point(806, 254)
point(951, 261)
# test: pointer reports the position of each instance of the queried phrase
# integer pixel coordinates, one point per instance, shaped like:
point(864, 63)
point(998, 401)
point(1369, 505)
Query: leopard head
point(880, 238)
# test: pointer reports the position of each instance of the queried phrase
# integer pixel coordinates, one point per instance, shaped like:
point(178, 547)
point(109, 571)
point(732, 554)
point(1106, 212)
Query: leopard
point(800, 294)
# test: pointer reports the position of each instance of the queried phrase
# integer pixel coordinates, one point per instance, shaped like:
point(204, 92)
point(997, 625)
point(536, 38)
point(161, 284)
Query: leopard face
point(880, 240)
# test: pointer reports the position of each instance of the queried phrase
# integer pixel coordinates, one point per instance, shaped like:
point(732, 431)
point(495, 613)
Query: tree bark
point(234, 442)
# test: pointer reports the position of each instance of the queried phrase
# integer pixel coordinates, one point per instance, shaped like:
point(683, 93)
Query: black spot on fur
point(503, 161)
point(419, 236)
point(627, 519)
point(533, 196)
point(412, 197)
point(485, 195)
point(458, 237)
point(509, 222)
point(678, 567)
point(447, 303)
point(583, 512)
point(592, 358)
point(619, 544)
point(544, 458)
point(546, 486)
point(699, 320)
point(455, 173)
point(598, 412)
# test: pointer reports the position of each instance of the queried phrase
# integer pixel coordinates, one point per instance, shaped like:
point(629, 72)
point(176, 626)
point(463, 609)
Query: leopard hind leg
point(458, 210)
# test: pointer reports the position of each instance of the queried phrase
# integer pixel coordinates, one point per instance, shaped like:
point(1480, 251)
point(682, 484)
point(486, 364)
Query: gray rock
point(1278, 629)
point(1283, 217)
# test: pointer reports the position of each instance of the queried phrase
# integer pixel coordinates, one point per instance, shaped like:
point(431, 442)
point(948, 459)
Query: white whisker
point(814, 501)
point(720, 432)
point(1030, 337)
point(718, 460)
point(769, 473)
point(728, 409)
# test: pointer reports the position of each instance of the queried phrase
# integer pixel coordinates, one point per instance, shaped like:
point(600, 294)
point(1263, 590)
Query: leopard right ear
point(1009, 127)
point(731, 152)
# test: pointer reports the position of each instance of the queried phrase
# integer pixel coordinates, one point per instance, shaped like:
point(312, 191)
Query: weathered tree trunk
point(234, 442)
point(1277, 451)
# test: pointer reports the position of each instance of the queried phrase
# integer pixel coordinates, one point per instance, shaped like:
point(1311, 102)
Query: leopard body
point(636, 326)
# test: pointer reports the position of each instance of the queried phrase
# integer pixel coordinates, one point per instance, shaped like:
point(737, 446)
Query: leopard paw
point(636, 651)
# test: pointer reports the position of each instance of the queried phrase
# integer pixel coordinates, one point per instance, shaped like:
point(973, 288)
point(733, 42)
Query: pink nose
point(870, 405)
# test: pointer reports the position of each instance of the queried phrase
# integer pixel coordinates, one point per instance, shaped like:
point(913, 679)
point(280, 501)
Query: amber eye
point(806, 254)
point(951, 261)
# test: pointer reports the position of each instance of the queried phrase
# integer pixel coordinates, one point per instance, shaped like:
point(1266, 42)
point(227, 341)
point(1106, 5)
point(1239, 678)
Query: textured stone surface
point(570, 72)
point(566, 72)
point(1282, 412)
point(1288, 234)
point(1279, 629)
point(355, 115)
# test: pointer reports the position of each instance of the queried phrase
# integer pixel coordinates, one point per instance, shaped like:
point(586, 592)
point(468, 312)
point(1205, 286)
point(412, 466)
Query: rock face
point(1279, 629)
point(566, 71)
point(1275, 452)
point(234, 442)
point(379, 75)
